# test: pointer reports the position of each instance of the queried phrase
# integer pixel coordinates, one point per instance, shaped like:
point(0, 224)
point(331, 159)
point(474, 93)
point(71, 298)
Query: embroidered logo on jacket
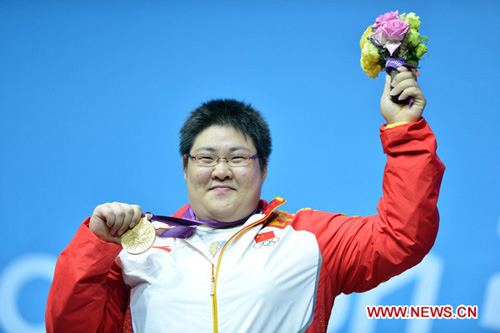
point(281, 219)
point(216, 246)
point(265, 239)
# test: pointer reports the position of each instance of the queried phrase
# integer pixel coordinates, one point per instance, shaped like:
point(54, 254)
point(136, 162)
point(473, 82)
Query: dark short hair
point(227, 112)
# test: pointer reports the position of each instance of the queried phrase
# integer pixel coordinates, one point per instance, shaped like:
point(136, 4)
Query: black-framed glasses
point(233, 160)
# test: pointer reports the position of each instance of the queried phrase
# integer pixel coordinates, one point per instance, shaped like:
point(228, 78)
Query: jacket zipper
point(214, 300)
point(215, 270)
point(212, 288)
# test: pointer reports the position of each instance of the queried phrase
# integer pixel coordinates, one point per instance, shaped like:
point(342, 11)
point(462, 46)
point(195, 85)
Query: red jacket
point(357, 253)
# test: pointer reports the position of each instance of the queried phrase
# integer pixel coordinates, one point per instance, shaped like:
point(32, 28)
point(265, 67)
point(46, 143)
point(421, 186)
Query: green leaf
point(412, 62)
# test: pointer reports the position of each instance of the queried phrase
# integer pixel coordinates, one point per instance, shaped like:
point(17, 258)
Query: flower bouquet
point(391, 42)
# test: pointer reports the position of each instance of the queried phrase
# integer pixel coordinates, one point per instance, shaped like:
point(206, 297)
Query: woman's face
point(221, 192)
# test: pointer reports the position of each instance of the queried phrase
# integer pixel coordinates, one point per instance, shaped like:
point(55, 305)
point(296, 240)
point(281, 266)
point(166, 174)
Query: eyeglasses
point(233, 160)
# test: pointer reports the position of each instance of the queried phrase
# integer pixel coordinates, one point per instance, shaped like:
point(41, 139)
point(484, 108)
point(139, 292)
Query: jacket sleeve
point(88, 293)
point(361, 252)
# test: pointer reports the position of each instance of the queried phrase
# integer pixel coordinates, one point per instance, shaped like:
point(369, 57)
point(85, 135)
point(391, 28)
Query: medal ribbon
point(184, 226)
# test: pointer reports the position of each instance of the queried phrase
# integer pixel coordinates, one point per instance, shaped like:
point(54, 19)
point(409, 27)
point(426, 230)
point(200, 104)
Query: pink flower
point(392, 46)
point(395, 29)
point(390, 34)
point(379, 37)
point(385, 18)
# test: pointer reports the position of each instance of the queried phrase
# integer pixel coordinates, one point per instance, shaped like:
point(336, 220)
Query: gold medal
point(140, 238)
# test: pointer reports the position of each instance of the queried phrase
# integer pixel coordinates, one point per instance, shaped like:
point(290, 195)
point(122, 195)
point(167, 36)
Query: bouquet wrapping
point(392, 41)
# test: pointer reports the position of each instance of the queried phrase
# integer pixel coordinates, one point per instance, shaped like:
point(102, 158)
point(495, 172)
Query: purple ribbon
point(184, 226)
point(395, 63)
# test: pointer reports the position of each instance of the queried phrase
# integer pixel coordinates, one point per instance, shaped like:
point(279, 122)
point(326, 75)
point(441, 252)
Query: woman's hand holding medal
point(110, 220)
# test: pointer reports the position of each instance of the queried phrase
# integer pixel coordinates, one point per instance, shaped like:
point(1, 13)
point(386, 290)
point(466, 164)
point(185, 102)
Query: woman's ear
point(264, 171)
point(184, 166)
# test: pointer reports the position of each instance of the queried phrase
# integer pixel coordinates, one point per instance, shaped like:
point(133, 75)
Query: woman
point(229, 261)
